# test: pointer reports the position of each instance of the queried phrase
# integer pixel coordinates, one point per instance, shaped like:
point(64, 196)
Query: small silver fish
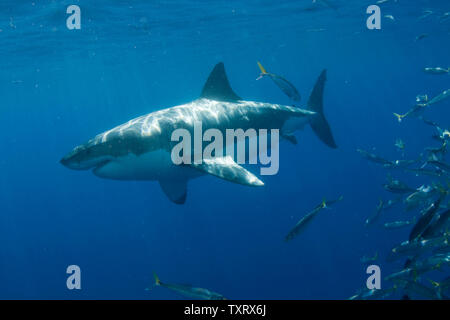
point(285, 86)
point(437, 70)
point(396, 186)
point(421, 36)
point(189, 291)
point(373, 157)
point(440, 97)
point(374, 217)
point(398, 224)
point(306, 220)
point(415, 248)
point(426, 14)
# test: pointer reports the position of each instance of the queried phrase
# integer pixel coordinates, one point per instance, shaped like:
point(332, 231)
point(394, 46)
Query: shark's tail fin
point(318, 122)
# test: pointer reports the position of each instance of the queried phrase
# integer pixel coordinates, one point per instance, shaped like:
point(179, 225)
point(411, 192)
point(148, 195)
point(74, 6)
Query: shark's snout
point(76, 159)
point(83, 157)
point(68, 161)
point(64, 162)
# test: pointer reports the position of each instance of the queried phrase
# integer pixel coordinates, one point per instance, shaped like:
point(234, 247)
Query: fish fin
point(217, 86)
point(263, 71)
point(157, 281)
point(399, 116)
point(175, 190)
point(225, 168)
point(434, 283)
point(318, 122)
point(291, 138)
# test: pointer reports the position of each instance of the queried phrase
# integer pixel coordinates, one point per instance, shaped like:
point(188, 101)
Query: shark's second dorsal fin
point(217, 86)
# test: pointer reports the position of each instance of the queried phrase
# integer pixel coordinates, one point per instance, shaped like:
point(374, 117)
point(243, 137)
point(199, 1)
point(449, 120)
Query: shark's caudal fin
point(217, 86)
point(318, 122)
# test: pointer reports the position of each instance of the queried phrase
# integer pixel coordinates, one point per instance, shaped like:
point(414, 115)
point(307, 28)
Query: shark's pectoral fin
point(227, 169)
point(175, 190)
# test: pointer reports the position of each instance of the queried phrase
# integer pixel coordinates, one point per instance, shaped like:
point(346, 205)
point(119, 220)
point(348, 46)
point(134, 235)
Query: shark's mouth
point(100, 165)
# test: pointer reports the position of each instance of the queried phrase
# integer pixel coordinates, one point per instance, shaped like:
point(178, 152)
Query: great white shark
point(140, 149)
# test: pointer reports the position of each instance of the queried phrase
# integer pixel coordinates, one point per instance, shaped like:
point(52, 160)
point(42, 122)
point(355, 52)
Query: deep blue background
point(60, 88)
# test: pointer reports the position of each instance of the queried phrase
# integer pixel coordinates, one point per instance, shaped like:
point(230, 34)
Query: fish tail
point(157, 281)
point(434, 283)
point(263, 71)
point(318, 122)
point(437, 288)
point(399, 116)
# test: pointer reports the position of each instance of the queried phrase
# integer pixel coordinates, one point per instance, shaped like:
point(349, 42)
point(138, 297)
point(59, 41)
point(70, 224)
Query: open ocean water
point(61, 87)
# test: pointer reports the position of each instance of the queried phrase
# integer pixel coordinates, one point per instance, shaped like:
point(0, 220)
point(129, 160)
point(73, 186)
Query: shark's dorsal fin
point(217, 86)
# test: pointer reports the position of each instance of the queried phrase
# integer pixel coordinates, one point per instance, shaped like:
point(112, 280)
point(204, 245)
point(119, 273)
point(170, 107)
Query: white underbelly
point(156, 165)
point(294, 124)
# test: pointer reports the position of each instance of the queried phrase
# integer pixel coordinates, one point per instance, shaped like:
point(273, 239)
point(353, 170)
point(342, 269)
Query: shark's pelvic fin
point(318, 122)
point(227, 169)
point(217, 86)
point(175, 190)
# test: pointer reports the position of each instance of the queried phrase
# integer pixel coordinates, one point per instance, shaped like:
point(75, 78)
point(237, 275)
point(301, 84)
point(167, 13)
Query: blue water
point(61, 87)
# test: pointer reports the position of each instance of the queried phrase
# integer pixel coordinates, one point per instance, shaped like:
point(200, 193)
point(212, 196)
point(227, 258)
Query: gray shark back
point(153, 131)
